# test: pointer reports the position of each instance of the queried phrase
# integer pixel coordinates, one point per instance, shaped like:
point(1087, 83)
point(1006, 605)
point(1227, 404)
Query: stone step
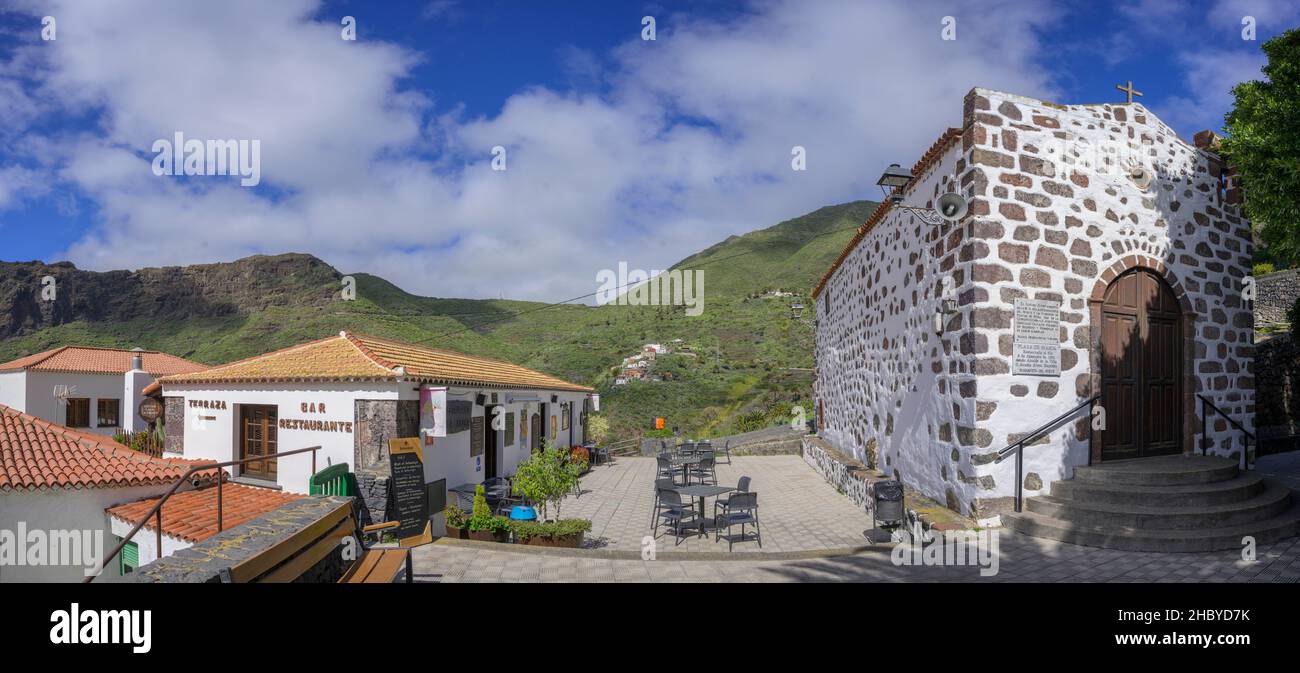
point(1163, 471)
point(1240, 488)
point(1271, 501)
point(1268, 530)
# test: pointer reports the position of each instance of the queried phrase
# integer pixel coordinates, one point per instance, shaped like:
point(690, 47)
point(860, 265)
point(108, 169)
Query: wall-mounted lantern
point(947, 308)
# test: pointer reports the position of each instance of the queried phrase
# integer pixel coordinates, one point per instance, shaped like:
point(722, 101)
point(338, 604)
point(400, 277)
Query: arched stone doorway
point(1141, 359)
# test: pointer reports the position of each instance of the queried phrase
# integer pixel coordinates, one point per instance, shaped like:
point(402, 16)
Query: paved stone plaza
point(809, 530)
point(798, 510)
point(1022, 559)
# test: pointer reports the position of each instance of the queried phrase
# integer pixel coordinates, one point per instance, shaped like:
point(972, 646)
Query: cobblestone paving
point(803, 514)
point(1022, 559)
point(798, 510)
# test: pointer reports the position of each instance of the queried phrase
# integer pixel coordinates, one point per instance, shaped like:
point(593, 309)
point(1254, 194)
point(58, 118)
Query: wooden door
point(490, 440)
point(257, 437)
point(1141, 368)
point(536, 431)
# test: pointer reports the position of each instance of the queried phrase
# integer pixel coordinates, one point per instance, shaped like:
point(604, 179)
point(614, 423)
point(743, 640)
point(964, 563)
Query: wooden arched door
point(1141, 368)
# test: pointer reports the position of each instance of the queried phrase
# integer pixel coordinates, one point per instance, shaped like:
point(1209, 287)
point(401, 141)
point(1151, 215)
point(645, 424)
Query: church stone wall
point(892, 393)
point(1054, 215)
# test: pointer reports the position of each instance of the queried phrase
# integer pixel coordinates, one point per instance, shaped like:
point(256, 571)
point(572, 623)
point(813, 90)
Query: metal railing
point(156, 511)
point(1019, 447)
point(1247, 436)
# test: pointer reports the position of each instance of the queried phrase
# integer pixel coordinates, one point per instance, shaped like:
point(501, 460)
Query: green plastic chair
point(333, 480)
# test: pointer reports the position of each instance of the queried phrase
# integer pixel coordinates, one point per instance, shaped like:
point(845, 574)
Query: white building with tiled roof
point(351, 394)
point(94, 389)
point(55, 484)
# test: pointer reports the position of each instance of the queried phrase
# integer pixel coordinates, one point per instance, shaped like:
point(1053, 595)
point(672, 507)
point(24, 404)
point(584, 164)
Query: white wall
point(41, 402)
point(146, 540)
point(218, 439)
point(66, 509)
point(13, 390)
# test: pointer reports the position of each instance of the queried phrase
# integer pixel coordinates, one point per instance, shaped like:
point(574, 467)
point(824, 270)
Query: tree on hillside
point(1263, 143)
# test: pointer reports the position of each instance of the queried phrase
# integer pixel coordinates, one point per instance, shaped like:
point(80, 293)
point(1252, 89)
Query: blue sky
point(376, 153)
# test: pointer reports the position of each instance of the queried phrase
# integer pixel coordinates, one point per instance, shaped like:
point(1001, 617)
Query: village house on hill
point(1074, 274)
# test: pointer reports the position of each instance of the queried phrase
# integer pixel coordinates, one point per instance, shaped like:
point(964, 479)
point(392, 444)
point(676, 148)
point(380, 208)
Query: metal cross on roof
point(1129, 90)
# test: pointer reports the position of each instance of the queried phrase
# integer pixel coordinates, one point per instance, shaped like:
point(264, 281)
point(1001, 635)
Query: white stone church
point(1101, 255)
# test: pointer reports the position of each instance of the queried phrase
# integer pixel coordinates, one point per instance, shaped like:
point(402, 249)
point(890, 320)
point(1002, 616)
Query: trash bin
point(887, 503)
point(523, 513)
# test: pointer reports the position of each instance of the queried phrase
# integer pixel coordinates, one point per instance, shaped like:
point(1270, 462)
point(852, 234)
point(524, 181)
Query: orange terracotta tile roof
point(931, 155)
point(192, 515)
point(87, 360)
point(35, 453)
point(356, 357)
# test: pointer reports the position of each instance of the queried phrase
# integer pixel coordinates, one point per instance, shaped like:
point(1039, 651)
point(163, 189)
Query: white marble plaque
point(1037, 338)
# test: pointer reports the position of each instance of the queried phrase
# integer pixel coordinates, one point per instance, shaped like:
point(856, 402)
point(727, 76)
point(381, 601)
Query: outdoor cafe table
point(493, 494)
point(686, 462)
point(703, 491)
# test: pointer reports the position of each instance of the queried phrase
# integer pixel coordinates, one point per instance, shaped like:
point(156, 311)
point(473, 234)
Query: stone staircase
point(1170, 503)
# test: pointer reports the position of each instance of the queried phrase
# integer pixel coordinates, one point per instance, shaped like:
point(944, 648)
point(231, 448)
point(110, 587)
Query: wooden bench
point(379, 566)
point(289, 559)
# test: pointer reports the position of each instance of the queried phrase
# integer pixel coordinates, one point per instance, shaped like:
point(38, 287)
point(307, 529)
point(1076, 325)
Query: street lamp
point(951, 207)
point(797, 310)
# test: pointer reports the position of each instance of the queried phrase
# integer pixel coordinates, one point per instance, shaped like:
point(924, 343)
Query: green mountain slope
point(748, 361)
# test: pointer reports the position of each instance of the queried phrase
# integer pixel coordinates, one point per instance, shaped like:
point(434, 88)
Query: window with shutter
point(109, 413)
point(129, 558)
point(78, 413)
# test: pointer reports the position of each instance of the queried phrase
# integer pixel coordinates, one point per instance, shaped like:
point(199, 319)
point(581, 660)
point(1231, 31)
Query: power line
point(592, 294)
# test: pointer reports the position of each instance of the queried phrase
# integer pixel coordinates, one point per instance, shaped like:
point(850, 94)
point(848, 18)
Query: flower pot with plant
point(457, 523)
point(485, 526)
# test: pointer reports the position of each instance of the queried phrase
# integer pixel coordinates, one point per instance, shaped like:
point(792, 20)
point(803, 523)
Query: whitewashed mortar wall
point(1046, 222)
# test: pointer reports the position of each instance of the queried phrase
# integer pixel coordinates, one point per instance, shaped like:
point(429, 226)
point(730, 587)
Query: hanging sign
point(1037, 338)
point(433, 413)
point(150, 409)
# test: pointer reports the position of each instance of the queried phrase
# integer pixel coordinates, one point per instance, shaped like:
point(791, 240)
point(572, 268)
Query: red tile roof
point(931, 155)
point(356, 357)
point(192, 515)
point(86, 360)
point(36, 453)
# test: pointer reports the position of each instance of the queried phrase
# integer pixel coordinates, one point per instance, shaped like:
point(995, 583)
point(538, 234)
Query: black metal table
point(702, 491)
point(686, 462)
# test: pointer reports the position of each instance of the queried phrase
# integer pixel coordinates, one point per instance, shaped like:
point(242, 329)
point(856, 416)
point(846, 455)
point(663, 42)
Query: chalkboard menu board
point(476, 429)
point(409, 496)
point(458, 413)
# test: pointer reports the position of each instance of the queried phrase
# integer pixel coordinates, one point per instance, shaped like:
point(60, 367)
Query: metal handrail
point(1205, 435)
point(1019, 446)
point(156, 510)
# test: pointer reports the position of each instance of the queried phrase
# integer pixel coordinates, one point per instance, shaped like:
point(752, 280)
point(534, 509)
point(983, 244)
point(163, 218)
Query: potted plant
point(563, 533)
point(485, 526)
point(457, 523)
point(547, 478)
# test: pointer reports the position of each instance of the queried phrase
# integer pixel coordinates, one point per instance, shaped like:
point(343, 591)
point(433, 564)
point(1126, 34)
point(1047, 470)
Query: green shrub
point(1263, 269)
point(456, 517)
point(482, 518)
point(526, 530)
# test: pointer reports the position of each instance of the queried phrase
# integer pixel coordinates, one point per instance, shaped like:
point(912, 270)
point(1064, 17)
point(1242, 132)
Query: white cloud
point(688, 143)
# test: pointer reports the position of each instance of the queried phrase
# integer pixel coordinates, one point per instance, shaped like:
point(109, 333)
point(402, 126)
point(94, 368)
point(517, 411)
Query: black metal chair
point(673, 512)
point(660, 485)
point(742, 486)
point(688, 448)
point(742, 509)
point(705, 470)
point(726, 450)
point(664, 465)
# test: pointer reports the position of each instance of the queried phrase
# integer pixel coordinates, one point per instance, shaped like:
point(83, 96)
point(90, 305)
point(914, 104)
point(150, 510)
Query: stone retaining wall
point(1274, 295)
point(847, 475)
